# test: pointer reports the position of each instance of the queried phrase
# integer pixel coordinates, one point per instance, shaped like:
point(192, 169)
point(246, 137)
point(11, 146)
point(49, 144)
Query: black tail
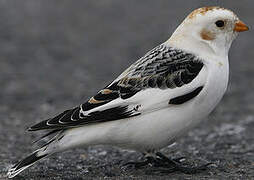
point(25, 163)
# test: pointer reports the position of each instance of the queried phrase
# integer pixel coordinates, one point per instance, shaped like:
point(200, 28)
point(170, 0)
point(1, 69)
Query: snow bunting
point(157, 99)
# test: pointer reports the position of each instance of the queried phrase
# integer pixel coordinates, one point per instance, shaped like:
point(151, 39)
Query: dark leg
point(149, 159)
point(152, 160)
point(163, 164)
point(139, 164)
point(171, 165)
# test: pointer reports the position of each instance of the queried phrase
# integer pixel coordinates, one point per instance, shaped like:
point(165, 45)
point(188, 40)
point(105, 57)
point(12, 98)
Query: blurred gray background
point(55, 54)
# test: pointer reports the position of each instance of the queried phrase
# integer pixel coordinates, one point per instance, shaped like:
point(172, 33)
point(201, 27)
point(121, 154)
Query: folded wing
point(163, 67)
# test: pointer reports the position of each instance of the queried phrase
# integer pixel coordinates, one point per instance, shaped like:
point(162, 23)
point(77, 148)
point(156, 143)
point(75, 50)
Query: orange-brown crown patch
point(203, 11)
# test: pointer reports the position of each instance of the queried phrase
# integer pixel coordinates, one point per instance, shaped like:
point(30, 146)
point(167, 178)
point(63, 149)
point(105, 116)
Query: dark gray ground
point(55, 54)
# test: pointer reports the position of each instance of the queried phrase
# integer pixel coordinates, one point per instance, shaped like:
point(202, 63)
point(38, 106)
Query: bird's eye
point(220, 23)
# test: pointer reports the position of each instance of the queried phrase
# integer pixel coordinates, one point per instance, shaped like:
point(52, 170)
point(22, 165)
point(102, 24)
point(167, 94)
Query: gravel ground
point(55, 54)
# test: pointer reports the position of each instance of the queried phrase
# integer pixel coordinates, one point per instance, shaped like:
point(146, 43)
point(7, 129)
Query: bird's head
point(211, 28)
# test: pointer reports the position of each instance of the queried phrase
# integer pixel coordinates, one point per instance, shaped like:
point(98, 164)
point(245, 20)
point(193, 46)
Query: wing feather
point(163, 67)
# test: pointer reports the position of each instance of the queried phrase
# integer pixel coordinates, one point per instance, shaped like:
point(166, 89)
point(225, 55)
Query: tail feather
point(46, 135)
point(27, 162)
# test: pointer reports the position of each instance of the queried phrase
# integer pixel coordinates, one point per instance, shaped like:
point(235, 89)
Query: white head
point(208, 28)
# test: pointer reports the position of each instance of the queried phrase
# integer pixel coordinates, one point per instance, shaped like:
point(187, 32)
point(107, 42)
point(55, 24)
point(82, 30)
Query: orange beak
point(240, 26)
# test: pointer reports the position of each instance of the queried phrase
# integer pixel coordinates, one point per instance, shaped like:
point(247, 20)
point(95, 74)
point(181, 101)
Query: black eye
point(219, 23)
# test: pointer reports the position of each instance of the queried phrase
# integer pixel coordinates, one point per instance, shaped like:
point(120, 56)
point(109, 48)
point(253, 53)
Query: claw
point(175, 165)
point(166, 160)
point(179, 160)
point(138, 164)
point(164, 164)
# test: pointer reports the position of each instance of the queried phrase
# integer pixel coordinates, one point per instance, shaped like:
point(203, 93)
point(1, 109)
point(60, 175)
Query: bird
point(156, 100)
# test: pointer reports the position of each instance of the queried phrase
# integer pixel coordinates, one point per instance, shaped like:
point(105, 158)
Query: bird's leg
point(149, 157)
point(164, 164)
point(173, 165)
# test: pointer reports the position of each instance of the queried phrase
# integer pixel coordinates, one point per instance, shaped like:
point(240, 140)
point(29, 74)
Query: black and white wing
point(163, 67)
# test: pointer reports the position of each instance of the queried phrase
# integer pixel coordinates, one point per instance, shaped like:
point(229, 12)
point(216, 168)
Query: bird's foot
point(163, 164)
point(152, 161)
point(171, 165)
point(139, 164)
